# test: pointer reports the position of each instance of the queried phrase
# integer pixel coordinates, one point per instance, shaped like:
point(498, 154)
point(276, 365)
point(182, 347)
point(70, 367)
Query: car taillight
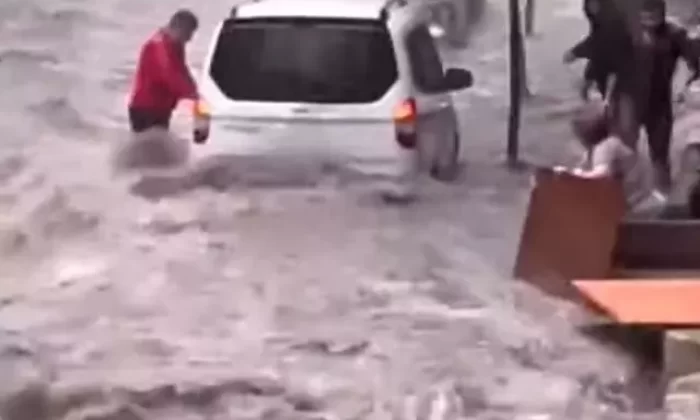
point(405, 116)
point(201, 116)
point(200, 109)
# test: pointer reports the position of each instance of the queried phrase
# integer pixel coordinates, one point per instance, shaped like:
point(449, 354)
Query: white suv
point(357, 84)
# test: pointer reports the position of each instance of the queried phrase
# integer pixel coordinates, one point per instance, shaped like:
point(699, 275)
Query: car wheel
point(447, 167)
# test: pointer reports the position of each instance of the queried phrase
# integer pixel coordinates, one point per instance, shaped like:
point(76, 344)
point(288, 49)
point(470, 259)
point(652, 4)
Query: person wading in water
point(162, 78)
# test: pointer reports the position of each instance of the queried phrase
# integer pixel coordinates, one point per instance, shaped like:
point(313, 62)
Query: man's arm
point(173, 69)
point(583, 49)
point(604, 157)
point(598, 162)
point(189, 87)
point(687, 49)
point(599, 171)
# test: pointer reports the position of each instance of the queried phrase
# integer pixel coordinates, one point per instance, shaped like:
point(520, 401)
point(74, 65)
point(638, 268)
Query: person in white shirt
point(605, 155)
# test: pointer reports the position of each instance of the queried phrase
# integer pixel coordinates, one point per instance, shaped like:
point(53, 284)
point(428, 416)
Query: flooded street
point(137, 298)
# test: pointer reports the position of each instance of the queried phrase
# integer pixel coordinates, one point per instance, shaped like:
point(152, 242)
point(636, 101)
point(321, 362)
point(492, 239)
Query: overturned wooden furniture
point(640, 276)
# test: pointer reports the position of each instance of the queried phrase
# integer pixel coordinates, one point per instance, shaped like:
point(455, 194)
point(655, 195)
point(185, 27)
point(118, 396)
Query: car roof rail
point(234, 10)
point(390, 4)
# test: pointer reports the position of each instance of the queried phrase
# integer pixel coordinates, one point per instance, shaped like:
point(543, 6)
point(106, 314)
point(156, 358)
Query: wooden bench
point(576, 244)
point(569, 232)
point(668, 302)
point(641, 279)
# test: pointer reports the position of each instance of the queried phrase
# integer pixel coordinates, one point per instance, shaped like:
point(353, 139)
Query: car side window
point(426, 65)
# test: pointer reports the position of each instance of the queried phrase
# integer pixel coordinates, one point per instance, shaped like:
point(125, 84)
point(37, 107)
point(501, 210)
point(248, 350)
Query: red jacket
point(162, 77)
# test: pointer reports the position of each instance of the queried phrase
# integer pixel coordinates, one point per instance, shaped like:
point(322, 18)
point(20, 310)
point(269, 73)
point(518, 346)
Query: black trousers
point(659, 127)
point(657, 121)
point(143, 119)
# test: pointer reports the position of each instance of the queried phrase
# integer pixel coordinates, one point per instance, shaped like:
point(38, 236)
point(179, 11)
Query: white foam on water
point(270, 299)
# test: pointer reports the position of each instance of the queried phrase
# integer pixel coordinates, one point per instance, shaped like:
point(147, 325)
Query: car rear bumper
point(378, 159)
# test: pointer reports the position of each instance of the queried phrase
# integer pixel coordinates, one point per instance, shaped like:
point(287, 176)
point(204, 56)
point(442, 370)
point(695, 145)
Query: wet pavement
point(174, 297)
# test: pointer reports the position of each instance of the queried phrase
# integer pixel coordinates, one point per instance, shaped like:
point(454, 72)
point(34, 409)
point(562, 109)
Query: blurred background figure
point(605, 155)
point(598, 67)
point(662, 45)
point(633, 63)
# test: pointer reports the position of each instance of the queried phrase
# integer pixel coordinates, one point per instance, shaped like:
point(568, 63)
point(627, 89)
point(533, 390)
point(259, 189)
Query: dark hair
point(185, 19)
point(591, 124)
point(694, 200)
point(656, 6)
point(587, 8)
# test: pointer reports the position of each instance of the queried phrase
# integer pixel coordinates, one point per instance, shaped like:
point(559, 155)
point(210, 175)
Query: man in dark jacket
point(641, 59)
point(659, 47)
point(162, 78)
point(597, 69)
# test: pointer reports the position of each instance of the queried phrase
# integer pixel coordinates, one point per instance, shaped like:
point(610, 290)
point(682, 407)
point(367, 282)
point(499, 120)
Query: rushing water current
point(165, 296)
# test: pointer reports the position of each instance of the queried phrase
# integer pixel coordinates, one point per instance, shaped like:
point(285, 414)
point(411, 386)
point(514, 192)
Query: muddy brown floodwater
point(171, 296)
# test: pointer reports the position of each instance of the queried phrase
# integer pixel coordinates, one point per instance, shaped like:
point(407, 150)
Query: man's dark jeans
point(142, 119)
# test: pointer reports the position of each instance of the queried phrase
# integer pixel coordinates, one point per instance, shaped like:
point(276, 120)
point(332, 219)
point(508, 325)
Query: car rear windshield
point(304, 60)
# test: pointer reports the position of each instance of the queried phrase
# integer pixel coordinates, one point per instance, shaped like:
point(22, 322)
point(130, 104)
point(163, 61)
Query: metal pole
point(516, 82)
point(524, 82)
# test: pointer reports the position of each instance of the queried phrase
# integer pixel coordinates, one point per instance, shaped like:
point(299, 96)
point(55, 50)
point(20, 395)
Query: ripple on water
point(60, 113)
point(197, 312)
point(18, 57)
point(11, 166)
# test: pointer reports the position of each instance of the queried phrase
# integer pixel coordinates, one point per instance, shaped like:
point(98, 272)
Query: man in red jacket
point(162, 78)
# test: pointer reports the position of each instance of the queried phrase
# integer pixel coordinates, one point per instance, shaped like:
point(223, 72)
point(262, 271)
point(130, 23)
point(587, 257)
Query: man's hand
point(600, 171)
point(681, 97)
point(201, 121)
point(569, 57)
point(200, 136)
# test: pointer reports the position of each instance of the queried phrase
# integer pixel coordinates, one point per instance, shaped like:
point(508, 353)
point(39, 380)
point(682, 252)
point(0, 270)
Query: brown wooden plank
point(671, 302)
point(569, 231)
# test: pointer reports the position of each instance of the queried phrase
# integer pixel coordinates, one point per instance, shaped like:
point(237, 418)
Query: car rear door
point(312, 87)
point(434, 103)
